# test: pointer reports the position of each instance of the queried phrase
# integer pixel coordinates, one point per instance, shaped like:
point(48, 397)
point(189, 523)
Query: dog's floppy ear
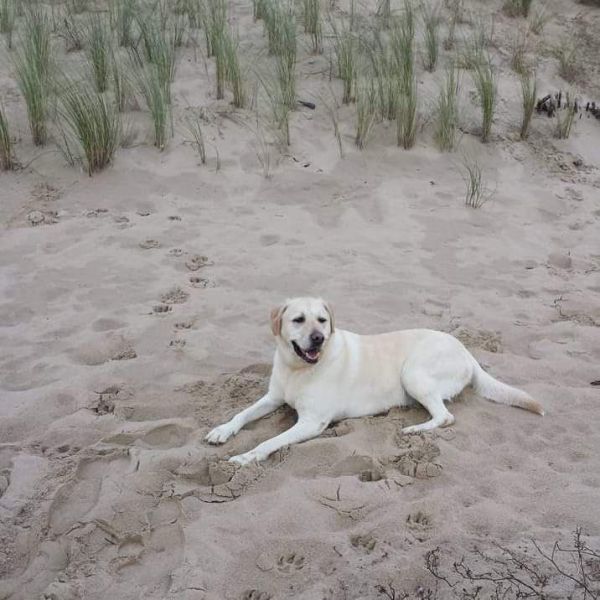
point(276, 315)
point(330, 313)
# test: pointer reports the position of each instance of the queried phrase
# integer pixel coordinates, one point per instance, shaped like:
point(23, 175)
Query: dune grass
point(313, 23)
point(366, 110)
point(97, 49)
point(431, 23)
point(565, 53)
point(150, 82)
point(213, 16)
point(72, 32)
point(92, 121)
point(280, 24)
point(403, 48)
point(194, 128)
point(518, 48)
point(6, 151)
point(384, 13)
point(345, 48)
point(32, 66)
point(484, 79)
point(8, 16)
point(565, 118)
point(538, 19)
point(517, 8)
point(529, 98)
point(447, 111)
point(76, 7)
point(476, 192)
point(122, 18)
point(158, 48)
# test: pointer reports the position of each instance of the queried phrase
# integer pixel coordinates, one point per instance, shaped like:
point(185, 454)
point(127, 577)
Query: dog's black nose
point(316, 337)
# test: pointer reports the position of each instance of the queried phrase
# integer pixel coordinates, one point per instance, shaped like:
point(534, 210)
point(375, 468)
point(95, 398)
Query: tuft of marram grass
point(280, 24)
point(565, 52)
point(121, 83)
point(313, 25)
point(122, 18)
point(476, 192)
point(234, 70)
point(431, 22)
point(72, 32)
point(159, 48)
point(538, 19)
point(484, 79)
point(90, 119)
point(6, 152)
point(565, 118)
point(97, 50)
point(447, 111)
point(529, 97)
point(194, 128)
point(517, 8)
point(366, 110)
point(213, 15)
point(151, 84)
point(32, 66)
point(8, 15)
point(76, 6)
point(345, 47)
point(518, 48)
point(385, 73)
point(384, 13)
point(402, 39)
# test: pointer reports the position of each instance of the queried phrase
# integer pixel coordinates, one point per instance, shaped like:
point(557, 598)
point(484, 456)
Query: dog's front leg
point(305, 429)
point(267, 404)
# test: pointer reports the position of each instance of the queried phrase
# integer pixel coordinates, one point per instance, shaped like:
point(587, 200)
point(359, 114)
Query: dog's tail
point(492, 389)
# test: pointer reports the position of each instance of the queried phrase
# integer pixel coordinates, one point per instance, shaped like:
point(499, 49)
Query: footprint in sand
point(197, 261)
point(38, 217)
point(364, 542)
point(287, 563)
point(417, 457)
point(184, 324)
point(255, 595)
point(77, 499)
point(177, 344)
point(175, 295)
point(101, 351)
point(161, 309)
point(175, 252)
point(200, 282)
point(419, 523)
point(148, 244)
point(365, 467)
point(338, 430)
point(106, 400)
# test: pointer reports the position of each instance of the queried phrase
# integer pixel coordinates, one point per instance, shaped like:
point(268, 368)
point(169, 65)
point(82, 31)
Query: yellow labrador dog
point(327, 374)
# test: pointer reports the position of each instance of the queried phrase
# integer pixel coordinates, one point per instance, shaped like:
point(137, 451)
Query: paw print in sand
point(287, 563)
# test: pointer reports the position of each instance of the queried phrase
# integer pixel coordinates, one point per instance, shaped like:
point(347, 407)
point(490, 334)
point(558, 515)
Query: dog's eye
point(322, 320)
point(299, 320)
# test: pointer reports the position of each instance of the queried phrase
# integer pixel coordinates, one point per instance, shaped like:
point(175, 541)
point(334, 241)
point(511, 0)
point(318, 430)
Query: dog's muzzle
point(311, 356)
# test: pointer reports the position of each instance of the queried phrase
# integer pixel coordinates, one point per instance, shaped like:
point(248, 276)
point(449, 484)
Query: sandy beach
point(134, 317)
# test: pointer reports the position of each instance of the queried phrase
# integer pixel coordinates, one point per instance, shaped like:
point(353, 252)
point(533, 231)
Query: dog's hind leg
point(434, 374)
point(440, 415)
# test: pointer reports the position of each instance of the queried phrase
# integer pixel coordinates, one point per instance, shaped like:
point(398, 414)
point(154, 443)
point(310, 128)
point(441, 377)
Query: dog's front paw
point(244, 459)
point(220, 434)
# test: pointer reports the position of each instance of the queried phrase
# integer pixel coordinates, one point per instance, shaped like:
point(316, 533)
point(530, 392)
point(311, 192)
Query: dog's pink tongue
point(312, 353)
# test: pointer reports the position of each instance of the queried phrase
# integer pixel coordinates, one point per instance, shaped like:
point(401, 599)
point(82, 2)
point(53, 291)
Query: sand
point(134, 317)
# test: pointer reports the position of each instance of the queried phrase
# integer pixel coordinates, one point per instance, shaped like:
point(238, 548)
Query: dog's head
point(303, 327)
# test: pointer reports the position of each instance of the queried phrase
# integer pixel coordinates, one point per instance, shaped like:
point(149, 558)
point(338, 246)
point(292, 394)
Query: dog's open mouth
point(310, 356)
